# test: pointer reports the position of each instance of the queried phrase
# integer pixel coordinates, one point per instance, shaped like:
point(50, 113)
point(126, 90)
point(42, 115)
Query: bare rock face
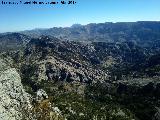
point(41, 95)
point(53, 69)
point(14, 101)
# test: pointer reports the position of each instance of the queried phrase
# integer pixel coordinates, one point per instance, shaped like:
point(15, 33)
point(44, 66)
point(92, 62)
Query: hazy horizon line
point(18, 31)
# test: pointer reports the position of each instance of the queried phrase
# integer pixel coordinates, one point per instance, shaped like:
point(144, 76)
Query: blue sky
point(24, 17)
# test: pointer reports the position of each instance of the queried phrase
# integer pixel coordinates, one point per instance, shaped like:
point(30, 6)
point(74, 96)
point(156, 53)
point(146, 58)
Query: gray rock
point(41, 95)
point(14, 101)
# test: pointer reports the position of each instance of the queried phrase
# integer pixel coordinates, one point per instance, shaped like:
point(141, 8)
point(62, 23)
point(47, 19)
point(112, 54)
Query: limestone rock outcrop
point(14, 101)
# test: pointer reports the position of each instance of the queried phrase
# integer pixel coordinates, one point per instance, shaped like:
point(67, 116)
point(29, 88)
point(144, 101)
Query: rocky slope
point(13, 41)
point(17, 104)
point(106, 71)
point(95, 72)
point(14, 101)
point(65, 69)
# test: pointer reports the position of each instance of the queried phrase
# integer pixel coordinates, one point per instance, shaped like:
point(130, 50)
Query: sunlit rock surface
point(14, 101)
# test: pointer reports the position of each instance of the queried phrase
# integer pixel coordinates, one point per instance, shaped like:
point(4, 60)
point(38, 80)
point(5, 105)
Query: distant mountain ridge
point(104, 32)
point(143, 33)
point(13, 41)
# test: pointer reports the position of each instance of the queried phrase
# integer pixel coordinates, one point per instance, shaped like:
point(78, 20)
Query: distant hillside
point(143, 32)
point(13, 41)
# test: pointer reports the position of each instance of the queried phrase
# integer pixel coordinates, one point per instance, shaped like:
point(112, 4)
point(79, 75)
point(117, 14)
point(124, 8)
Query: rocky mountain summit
point(107, 71)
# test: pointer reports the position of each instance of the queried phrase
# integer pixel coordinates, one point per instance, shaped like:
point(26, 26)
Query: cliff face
point(14, 101)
